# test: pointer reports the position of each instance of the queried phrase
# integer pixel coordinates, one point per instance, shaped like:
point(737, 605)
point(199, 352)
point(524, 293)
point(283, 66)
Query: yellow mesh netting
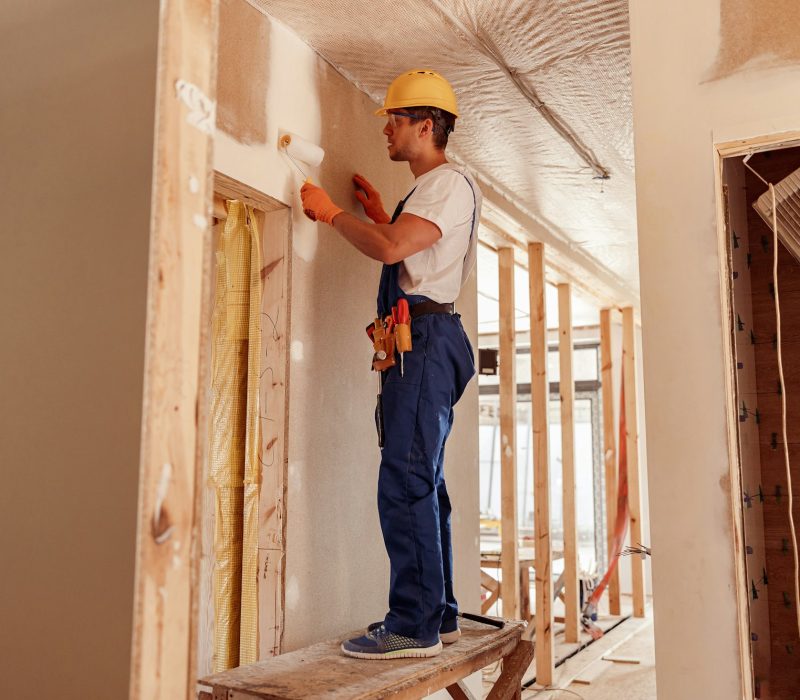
point(233, 471)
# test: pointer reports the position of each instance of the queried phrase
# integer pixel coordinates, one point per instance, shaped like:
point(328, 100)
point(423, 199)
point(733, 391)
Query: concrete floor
point(620, 681)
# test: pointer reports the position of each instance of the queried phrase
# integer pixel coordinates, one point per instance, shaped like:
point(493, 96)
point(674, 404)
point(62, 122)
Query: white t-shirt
point(444, 197)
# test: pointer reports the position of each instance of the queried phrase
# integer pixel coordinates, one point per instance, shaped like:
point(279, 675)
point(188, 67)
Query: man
point(428, 249)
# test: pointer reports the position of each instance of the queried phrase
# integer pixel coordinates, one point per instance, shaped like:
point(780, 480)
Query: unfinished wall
point(76, 126)
point(677, 118)
point(748, 404)
point(337, 571)
point(782, 641)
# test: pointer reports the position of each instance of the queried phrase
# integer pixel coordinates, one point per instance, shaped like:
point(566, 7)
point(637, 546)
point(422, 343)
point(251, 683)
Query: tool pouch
point(383, 343)
point(402, 333)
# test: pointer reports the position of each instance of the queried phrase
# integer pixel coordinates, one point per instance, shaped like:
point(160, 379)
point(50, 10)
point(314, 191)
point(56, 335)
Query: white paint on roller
point(292, 593)
point(297, 351)
point(199, 221)
point(202, 109)
point(301, 149)
point(194, 184)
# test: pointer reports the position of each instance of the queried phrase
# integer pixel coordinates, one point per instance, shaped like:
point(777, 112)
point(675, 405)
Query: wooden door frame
point(163, 663)
point(721, 151)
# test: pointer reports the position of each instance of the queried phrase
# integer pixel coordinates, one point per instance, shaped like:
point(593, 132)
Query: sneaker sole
point(450, 637)
point(423, 653)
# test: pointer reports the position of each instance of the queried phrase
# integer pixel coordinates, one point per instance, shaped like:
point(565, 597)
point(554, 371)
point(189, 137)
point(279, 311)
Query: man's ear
point(426, 127)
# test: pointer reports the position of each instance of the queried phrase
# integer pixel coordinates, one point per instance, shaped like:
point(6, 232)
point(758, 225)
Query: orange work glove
point(370, 198)
point(317, 205)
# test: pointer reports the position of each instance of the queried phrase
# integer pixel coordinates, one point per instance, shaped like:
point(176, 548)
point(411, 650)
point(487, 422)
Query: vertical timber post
point(163, 661)
point(609, 453)
point(567, 394)
point(632, 446)
point(508, 432)
point(545, 661)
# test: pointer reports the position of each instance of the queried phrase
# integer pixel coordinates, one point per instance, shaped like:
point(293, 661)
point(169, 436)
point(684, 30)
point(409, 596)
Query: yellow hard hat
point(419, 88)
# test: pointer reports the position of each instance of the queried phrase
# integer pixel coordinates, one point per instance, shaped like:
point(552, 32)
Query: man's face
point(402, 135)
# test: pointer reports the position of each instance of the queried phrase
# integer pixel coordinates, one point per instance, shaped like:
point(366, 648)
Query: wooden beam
point(545, 660)
point(609, 453)
point(632, 446)
point(275, 329)
point(508, 433)
point(166, 591)
point(567, 394)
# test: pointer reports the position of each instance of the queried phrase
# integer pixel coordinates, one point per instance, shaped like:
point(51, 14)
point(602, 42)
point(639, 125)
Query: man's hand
point(370, 199)
point(317, 205)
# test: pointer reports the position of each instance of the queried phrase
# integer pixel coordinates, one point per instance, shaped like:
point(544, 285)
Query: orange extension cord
point(621, 528)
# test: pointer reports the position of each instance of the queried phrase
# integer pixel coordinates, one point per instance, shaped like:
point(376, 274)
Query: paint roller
point(298, 149)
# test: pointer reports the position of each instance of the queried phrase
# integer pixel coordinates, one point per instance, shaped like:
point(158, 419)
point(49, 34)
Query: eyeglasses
point(392, 116)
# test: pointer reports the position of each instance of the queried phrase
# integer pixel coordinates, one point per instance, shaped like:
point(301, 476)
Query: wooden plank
point(622, 659)
point(567, 394)
point(541, 466)
point(508, 433)
point(609, 453)
point(274, 388)
point(166, 588)
point(592, 672)
point(632, 445)
point(230, 188)
point(338, 677)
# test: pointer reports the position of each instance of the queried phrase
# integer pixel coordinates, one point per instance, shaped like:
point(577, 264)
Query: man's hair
point(443, 123)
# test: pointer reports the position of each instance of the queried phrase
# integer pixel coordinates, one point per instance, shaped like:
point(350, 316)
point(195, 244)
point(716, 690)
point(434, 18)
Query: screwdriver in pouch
point(402, 330)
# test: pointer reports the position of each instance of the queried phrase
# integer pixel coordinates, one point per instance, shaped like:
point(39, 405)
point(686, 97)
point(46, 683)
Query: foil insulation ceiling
point(544, 91)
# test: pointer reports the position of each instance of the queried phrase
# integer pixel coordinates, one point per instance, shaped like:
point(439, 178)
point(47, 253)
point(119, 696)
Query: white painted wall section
point(679, 112)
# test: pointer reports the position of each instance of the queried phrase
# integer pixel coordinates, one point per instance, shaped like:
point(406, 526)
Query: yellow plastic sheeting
point(248, 643)
point(233, 472)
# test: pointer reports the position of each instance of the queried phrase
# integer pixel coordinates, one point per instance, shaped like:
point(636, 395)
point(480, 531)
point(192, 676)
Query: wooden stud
point(508, 432)
point(632, 447)
point(609, 453)
point(166, 591)
point(567, 395)
point(275, 325)
point(540, 389)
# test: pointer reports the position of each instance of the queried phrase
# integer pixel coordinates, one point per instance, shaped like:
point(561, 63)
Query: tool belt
point(392, 334)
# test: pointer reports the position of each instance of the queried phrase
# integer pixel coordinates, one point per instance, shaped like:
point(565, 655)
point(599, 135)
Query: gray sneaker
point(380, 643)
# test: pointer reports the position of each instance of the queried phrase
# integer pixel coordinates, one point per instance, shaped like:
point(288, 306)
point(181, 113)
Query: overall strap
point(389, 290)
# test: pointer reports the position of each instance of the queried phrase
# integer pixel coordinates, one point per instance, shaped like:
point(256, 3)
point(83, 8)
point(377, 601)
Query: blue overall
point(413, 504)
